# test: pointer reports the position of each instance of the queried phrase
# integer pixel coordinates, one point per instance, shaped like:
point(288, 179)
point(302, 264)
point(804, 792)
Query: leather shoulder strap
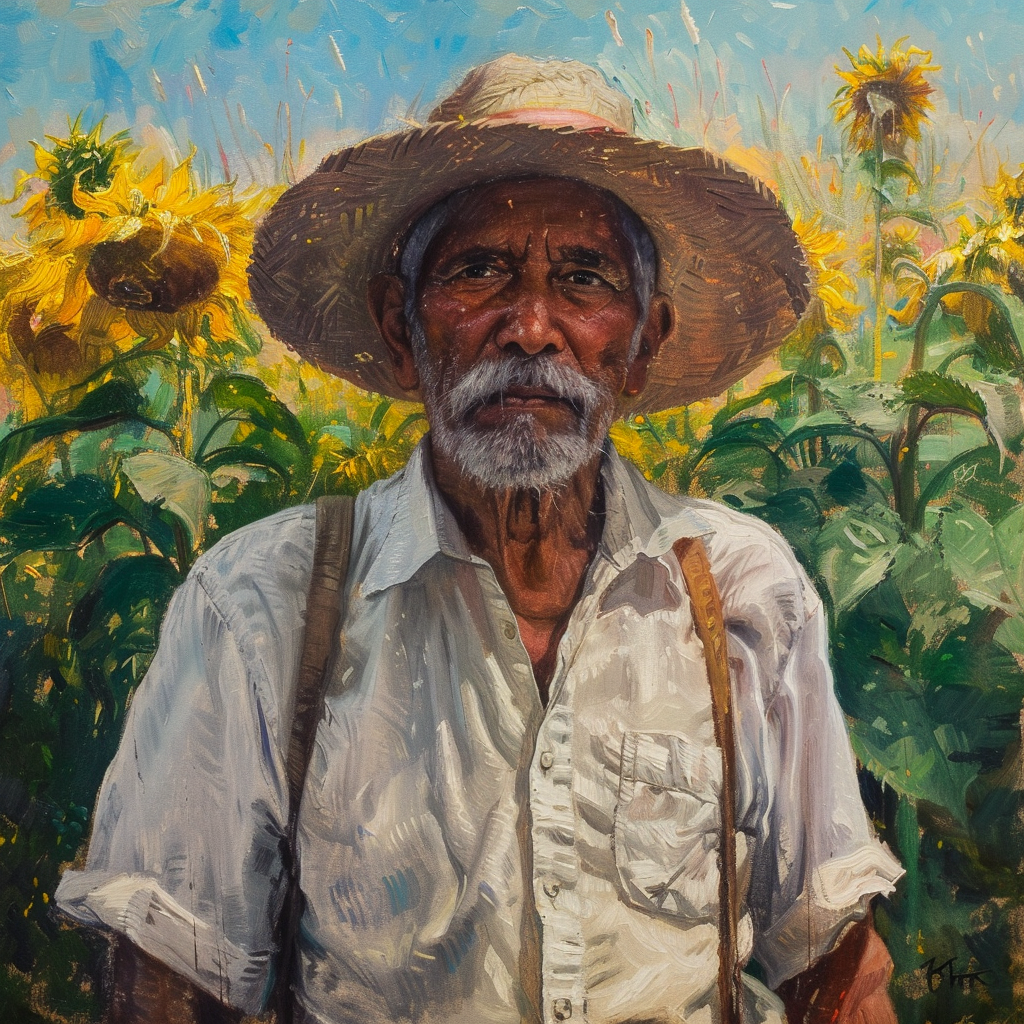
point(334, 517)
point(709, 623)
point(324, 609)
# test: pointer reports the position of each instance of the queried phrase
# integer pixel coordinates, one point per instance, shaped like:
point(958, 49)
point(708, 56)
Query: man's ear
point(386, 298)
point(657, 328)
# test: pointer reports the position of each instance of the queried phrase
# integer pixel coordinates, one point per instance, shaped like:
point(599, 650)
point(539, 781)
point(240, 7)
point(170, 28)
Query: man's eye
point(586, 279)
point(476, 272)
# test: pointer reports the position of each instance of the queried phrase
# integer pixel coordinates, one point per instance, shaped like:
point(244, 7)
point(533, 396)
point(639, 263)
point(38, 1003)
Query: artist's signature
point(947, 974)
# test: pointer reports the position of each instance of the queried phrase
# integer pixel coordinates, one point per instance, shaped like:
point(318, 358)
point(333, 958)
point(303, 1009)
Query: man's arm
point(848, 985)
point(145, 991)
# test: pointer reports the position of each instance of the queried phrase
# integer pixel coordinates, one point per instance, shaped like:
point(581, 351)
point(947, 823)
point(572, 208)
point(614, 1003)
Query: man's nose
point(530, 323)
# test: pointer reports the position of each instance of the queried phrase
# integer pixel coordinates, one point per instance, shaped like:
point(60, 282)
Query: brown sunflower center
point(149, 272)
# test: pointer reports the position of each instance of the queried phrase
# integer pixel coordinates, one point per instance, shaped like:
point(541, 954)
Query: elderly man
point(521, 803)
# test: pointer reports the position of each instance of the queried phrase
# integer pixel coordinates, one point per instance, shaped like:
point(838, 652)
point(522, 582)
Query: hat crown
point(514, 88)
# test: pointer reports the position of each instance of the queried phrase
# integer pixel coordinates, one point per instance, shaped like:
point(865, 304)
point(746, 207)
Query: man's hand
point(145, 991)
point(847, 986)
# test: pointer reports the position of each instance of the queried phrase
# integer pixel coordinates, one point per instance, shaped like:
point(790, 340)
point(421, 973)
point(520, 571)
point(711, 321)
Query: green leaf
point(245, 455)
point(776, 392)
point(855, 550)
point(757, 430)
point(827, 425)
point(379, 413)
point(923, 762)
point(116, 624)
point(112, 402)
point(914, 214)
point(1008, 535)
point(894, 168)
point(66, 515)
point(237, 393)
point(937, 391)
point(869, 405)
point(971, 554)
point(171, 482)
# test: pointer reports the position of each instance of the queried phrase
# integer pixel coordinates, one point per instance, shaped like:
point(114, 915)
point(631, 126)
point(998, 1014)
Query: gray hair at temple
point(643, 257)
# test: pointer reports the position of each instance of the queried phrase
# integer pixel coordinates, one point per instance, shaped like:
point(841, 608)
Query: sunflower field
point(145, 413)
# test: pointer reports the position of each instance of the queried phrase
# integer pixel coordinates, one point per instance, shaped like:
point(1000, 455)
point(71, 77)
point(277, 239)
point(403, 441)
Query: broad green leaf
point(116, 624)
point(966, 470)
point(854, 551)
point(775, 392)
point(827, 425)
point(937, 391)
point(895, 168)
point(925, 762)
point(171, 482)
point(67, 515)
point(759, 430)
point(112, 402)
point(245, 455)
point(235, 393)
point(971, 554)
point(257, 446)
point(871, 405)
point(1008, 535)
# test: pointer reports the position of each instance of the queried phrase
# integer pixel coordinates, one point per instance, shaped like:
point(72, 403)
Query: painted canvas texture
point(146, 412)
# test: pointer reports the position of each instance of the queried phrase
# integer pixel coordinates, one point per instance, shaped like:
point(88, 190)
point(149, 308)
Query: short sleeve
point(818, 862)
point(185, 854)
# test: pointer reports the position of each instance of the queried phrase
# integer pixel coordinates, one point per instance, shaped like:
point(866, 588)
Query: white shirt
point(434, 755)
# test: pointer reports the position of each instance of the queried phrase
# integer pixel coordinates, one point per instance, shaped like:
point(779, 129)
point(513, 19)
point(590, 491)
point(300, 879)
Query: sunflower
point(885, 91)
point(987, 252)
point(827, 262)
point(1007, 196)
point(116, 255)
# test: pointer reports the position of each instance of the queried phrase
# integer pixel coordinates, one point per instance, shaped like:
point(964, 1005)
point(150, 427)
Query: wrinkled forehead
point(563, 205)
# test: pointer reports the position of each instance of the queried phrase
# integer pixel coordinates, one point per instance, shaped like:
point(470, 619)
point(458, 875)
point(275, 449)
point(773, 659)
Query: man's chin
point(520, 455)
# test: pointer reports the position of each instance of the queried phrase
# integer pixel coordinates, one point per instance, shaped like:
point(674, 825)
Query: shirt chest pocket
point(668, 824)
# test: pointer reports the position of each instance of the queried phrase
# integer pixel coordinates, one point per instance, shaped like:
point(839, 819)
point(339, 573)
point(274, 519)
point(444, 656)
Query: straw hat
point(727, 255)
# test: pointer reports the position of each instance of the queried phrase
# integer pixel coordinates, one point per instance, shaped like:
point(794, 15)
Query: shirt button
point(552, 888)
point(509, 629)
point(547, 759)
point(562, 1009)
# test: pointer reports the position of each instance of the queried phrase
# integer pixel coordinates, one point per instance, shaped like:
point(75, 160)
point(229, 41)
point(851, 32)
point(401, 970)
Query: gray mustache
point(488, 382)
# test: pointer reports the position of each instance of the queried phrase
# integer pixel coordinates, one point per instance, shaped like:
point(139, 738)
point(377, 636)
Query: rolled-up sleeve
point(185, 854)
point(818, 862)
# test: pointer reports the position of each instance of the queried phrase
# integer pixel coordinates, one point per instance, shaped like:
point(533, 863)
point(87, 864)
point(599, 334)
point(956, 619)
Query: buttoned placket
point(553, 826)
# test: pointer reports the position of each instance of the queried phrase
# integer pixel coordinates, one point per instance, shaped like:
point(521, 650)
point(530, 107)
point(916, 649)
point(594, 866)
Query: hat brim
point(728, 258)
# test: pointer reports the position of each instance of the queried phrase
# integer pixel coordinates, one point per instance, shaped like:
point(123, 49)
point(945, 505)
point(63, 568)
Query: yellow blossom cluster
point(148, 256)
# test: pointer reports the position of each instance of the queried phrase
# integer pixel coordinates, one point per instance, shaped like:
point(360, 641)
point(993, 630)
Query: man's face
point(526, 318)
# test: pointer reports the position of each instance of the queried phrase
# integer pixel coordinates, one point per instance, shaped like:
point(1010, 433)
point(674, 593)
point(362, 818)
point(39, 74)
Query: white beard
point(520, 454)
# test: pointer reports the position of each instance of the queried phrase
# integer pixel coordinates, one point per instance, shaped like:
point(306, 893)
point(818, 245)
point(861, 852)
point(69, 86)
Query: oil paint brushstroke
point(146, 412)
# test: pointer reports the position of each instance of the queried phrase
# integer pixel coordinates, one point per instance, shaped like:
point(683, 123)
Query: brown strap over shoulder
point(324, 609)
point(709, 622)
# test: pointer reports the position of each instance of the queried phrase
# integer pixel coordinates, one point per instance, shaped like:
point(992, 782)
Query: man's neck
point(539, 544)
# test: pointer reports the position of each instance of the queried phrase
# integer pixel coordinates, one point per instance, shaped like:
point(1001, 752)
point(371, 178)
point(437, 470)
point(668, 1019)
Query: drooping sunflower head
point(886, 92)
point(118, 254)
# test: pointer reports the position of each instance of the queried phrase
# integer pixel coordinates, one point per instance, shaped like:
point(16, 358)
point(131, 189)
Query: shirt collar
point(639, 519)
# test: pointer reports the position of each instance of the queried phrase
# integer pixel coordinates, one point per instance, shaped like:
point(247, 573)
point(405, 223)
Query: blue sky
point(234, 73)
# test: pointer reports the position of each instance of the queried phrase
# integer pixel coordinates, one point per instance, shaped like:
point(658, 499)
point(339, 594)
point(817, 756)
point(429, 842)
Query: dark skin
point(543, 271)
point(524, 269)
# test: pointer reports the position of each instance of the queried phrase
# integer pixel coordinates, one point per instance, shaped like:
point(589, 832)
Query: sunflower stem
point(879, 207)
